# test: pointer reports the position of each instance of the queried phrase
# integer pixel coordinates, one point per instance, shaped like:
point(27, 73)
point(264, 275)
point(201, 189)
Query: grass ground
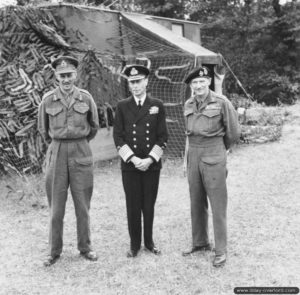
point(263, 224)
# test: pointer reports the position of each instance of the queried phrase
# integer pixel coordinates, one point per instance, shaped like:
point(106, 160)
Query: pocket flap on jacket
point(188, 111)
point(53, 111)
point(87, 161)
point(212, 160)
point(211, 112)
point(81, 108)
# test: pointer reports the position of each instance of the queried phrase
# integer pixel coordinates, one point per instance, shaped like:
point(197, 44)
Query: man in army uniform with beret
point(68, 118)
point(140, 135)
point(211, 128)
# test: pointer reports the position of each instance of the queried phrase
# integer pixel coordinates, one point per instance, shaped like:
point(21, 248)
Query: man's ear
point(146, 81)
point(209, 81)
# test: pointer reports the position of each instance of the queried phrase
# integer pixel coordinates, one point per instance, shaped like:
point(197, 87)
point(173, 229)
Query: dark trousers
point(141, 191)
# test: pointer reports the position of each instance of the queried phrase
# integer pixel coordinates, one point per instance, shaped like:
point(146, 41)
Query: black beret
point(135, 72)
point(198, 73)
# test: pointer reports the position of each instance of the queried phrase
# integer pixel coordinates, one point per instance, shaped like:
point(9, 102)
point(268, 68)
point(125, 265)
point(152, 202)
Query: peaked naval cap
point(200, 72)
point(135, 72)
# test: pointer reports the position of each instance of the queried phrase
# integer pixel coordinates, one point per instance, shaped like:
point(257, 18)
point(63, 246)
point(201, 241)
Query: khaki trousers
point(207, 180)
point(69, 163)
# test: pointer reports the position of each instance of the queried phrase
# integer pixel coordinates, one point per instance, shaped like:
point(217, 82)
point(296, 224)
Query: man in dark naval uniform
point(140, 135)
point(68, 118)
point(211, 127)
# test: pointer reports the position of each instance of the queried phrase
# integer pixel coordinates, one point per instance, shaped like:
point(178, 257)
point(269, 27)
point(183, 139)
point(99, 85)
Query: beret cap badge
point(203, 72)
point(200, 72)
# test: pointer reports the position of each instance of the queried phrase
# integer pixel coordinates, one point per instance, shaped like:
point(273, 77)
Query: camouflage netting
point(103, 42)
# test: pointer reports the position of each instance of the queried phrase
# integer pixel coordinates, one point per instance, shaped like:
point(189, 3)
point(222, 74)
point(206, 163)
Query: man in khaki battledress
point(68, 118)
point(211, 127)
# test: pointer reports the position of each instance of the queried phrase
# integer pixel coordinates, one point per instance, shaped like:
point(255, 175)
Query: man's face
point(138, 87)
point(66, 80)
point(200, 86)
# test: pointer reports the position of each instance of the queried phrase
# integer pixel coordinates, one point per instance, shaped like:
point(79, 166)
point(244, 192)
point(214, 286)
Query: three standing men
point(140, 135)
point(211, 127)
point(68, 117)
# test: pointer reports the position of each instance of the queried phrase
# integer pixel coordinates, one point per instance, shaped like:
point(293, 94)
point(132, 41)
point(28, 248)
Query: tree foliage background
point(259, 39)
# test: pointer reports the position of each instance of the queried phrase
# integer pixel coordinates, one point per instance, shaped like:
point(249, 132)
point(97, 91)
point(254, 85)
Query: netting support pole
point(195, 61)
point(122, 47)
point(237, 80)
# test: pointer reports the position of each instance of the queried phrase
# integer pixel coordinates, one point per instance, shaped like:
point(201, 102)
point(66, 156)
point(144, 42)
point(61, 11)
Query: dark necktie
point(139, 105)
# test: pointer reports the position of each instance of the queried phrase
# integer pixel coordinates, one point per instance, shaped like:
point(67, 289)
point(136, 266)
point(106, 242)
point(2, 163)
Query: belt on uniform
point(205, 141)
point(69, 139)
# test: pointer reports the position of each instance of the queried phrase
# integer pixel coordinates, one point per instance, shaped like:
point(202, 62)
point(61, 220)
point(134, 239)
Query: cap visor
point(137, 77)
point(65, 71)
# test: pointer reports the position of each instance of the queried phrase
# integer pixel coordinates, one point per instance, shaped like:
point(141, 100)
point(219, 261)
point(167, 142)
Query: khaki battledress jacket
point(215, 117)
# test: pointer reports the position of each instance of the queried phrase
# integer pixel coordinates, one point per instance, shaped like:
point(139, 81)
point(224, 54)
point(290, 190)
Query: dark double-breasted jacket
point(140, 132)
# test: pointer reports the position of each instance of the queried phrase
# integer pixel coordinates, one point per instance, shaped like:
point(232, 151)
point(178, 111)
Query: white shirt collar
point(142, 99)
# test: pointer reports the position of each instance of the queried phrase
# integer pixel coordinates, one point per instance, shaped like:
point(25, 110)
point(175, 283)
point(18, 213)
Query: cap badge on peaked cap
point(133, 72)
point(63, 64)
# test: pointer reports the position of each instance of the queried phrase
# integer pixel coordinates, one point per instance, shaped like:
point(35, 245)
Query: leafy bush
point(273, 89)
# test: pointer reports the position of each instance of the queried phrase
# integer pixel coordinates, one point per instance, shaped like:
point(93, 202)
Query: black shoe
point(90, 255)
point(132, 253)
point(51, 260)
point(154, 250)
point(219, 260)
point(196, 249)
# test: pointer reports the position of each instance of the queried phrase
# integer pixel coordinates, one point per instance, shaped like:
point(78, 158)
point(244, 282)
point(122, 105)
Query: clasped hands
point(141, 164)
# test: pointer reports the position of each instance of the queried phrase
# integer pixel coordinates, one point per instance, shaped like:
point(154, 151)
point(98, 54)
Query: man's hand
point(144, 164)
point(136, 161)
